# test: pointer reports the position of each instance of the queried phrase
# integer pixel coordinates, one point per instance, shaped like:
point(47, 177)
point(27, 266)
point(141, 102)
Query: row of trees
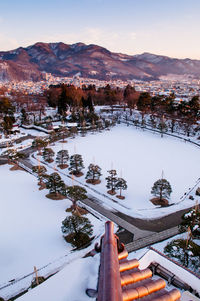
point(167, 104)
point(93, 174)
point(67, 96)
point(76, 229)
point(163, 123)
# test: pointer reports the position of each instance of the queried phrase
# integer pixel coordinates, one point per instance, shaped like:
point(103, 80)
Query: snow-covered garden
point(31, 222)
point(140, 157)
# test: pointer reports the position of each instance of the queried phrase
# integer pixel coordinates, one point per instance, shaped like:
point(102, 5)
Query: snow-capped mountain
point(91, 61)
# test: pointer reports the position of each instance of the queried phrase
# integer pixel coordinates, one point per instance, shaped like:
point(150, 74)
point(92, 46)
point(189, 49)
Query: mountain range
point(90, 61)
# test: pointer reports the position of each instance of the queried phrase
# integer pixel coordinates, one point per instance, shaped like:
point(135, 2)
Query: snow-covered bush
point(185, 252)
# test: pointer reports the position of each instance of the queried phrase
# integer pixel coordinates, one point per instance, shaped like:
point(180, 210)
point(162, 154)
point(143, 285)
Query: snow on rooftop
point(69, 284)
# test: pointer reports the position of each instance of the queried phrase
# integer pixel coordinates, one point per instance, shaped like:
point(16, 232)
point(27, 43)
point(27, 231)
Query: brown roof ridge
point(121, 279)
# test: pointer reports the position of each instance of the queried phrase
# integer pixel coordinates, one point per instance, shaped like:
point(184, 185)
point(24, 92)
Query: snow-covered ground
point(139, 157)
point(31, 226)
point(85, 275)
point(69, 284)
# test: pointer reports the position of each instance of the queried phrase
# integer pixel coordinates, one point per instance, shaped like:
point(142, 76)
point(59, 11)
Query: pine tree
point(111, 181)
point(76, 193)
point(162, 189)
point(76, 165)
point(39, 143)
point(40, 170)
point(162, 126)
point(191, 220)
point(62, 158)
point(13, 155)
point(48, 154)
point(78, 230)
point(184, 251)
point(55, 184)
point(121, 185)
point(93, 174)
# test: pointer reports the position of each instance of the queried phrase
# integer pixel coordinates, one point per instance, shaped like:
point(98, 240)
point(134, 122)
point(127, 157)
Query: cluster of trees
point(13, 155)
point(166, 104)
point(76, 229)
point(114, 183)
point(76, 166)
point(69, 97)
point(187, 251)
point(65, 97)
point(164, 123)
point(57, 187)
point(7, 118)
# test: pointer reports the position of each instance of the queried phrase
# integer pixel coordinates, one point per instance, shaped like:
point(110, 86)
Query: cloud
point(112, 40)
point(7, 43)
point(116, 41)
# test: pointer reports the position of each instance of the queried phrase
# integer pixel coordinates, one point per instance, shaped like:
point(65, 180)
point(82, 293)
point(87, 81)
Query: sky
point(169, 27)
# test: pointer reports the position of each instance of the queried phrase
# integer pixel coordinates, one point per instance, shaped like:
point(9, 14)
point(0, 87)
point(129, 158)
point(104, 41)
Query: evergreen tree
point(12, 154)
point(62, 101)
point(111, 181)
point(162, 189)
point(62, 158)
point(144, 101)
point(39, 144)
point(162, 126)
point(73, 131)
point(48, 154)
point(83, 128)
point(191, 220)
point(187, 251)
point(8, 124)
point(76, 193)
point(93, 174)
point(40, 170)
point(23, 115)
point(153, 121)
point(89, 103)
point(121, 185)
point(77, 230)
point(194, 105)
point(184, 251)
point(55, 184)
point(7, 113)
point(76, 165)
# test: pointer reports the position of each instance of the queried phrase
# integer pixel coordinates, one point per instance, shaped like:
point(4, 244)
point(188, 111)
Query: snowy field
point(139, 157)
point(31, 226)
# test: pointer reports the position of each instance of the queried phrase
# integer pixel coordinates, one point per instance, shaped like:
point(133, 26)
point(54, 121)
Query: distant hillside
point(91, 61)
